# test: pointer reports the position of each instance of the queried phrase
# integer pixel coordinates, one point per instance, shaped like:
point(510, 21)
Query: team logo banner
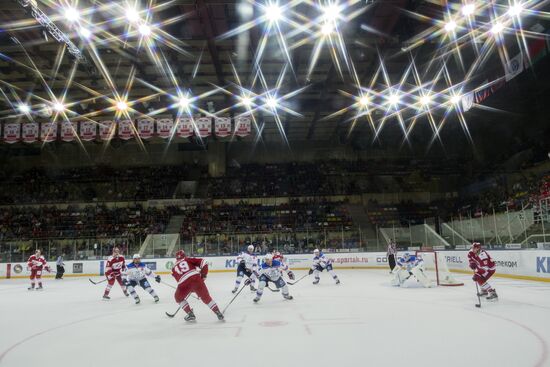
point(12, 132)
point(107, 130)
point(146, 128)
point(69, 130)
point(48, 132)
point(164, 128)
point(88, 130)
point(242, 125)
point(184, 127)
point(126, 129)
point(30, 132)
point(204, 125)
point(222, 126)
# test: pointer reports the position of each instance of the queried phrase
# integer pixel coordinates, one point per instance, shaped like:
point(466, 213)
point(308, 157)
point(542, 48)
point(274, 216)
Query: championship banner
point(12, 132)
point(48, 132)
point(126, 129)
point(69, 130)
point(204, 125)
point(107, 130)
point(30, 132)
point(146, 128)
point(184, 127)
point(222, 126)
point(242, 126)
point(88, 130)
point(164, 127)
point(514, 67)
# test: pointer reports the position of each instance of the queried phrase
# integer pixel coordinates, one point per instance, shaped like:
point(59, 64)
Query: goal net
point(435, 268)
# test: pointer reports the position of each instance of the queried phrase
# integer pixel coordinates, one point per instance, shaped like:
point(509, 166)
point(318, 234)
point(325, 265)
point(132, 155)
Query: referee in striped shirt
point(392, 251)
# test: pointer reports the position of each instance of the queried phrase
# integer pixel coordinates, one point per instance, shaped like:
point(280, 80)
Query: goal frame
point(436, 263)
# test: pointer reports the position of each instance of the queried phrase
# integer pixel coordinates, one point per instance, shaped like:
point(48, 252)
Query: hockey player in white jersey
point(320, 263)
point(410, 266)
point(248, 265)
point(136, 273)
point(270, 271)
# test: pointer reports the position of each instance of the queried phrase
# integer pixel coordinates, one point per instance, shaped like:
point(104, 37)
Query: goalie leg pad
point(422, 278)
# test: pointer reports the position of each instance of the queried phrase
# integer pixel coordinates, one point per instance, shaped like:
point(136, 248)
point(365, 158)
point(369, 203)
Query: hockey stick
point(171, 286)
point(273, 290)
point(478, 305)
point(235, 296)
point(95, 283)
point(292, 283)
point(173, 314)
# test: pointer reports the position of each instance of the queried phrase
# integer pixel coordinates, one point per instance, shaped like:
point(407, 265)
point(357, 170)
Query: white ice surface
point(362, 322)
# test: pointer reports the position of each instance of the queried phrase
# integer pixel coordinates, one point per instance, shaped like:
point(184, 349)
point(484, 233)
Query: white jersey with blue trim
point(273, 271)
point(250, 261)
point(137, 272)
point(321, 260)
point(409, 263)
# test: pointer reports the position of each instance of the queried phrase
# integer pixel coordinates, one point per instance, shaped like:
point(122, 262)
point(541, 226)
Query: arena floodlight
point(364, 101)
point(455, 99)
point(271, 102)
point(132, 15)
point(450, 26)
point(426, 100)
point(327, 29)
point(85, 33)
point(72, 15)
point(58, 107)
point(468, 9)
point(145, 30)
point(515, 10)
point(24, 108)
point(121, 106)
point(273, 12)
point(394, 99)
point(246, 101)
point(331, 12)
point(497, 28)
point(184, 102)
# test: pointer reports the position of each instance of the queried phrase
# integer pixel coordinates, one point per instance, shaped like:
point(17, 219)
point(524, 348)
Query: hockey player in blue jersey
point(410, 266)
point(270, 271)
point(137, 273)
point(320, 263)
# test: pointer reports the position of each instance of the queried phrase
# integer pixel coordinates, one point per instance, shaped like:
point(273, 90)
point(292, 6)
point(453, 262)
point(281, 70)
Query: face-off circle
point(272, 323)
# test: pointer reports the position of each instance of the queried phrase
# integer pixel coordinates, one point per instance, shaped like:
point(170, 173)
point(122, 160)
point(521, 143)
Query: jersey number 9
point(182, 267)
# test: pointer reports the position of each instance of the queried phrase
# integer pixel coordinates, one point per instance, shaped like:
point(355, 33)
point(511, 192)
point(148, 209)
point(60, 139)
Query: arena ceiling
point(305, 69)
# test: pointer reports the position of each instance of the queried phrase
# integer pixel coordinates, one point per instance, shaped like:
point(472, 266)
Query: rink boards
point(518, 264)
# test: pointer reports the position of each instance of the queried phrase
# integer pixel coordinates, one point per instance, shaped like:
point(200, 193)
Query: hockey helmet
point(316, 251)
point(268, 257)
point(250, 248)
point(180, 254)
point(476, 244)
point(136, 256)
point(406, 255)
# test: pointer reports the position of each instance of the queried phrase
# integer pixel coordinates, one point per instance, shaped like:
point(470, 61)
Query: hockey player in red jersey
point(36, 263)
point(284, 267)
point(113, 271)
point(189, 272)
point(484, 267)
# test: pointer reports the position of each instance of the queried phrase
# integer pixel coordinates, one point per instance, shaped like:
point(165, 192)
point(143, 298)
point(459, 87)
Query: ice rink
point(362, 322)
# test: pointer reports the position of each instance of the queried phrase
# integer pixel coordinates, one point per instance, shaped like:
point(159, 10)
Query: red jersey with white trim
point(37, 262)
point(115, 265)
point(481, 261)
point(188, 267)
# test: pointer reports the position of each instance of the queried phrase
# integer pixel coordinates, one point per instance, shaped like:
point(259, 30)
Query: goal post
point(436, 269)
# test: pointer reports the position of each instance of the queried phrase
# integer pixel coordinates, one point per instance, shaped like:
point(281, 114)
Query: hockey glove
point(473, 266)
point(310, 271)
point(203, 275)
point(124, 282)
point(291, 275)
point(247, 281)
point(157, 279)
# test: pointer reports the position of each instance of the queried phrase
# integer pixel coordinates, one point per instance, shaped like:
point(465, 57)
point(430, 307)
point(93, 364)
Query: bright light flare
point(58, 107)
point(271, 102)
point(246, 101)
point(145, 30)
point(72, 15)
point(426, 100)
point(327, 29)
point(184, 102)
point(121, 106)
point(85, 33)
point(273, 12)
point(364, 101)
point(331, 12)
point(24, 108)
point(515, 10)
point(497, 28)
point(455, 99)
point(394, 99)
point(450, 26)
point(132, 15)
point(468, 9)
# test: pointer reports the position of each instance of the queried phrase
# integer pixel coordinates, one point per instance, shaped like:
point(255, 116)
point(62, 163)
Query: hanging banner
point(514, 67)
point(184, 127)
point(146, 128)
point(12, 132)
point(69, 130)
point(126, 129)
point(88, 130)
point(467, 101)
point(242, 126)
point(30, 132)
point(204, 125)
point(107, 130)
point(164, 127)
point(222, 126)
point(48, 132)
